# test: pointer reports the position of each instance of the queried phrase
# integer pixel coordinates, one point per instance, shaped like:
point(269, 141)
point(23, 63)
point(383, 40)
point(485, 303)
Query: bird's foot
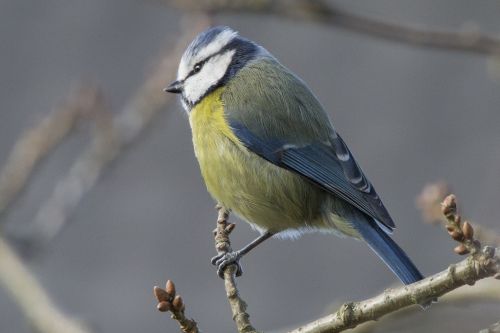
point(225, 259)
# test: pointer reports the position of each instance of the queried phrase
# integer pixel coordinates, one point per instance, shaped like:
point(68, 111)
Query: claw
point(226, 259)
point(216, 258)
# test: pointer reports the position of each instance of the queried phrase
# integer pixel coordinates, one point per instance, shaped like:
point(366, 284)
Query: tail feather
point(394, 257)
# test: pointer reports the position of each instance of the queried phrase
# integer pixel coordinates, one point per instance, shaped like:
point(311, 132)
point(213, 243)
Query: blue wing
point(330, 165)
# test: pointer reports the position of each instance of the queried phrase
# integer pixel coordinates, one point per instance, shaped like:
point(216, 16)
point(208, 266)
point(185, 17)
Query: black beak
point(174, 87)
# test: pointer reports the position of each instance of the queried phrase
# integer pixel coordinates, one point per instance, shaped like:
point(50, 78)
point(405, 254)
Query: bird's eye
point(197, 68)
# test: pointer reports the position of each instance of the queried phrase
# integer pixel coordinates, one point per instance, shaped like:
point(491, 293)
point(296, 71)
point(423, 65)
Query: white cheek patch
point(215, 46)
point(184, 68)
point(213, 70)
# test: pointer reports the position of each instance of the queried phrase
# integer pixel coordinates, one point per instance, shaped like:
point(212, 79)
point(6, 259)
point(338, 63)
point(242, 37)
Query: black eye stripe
point(202, 62)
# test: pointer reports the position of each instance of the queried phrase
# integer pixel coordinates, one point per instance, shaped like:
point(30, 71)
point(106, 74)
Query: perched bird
point(268, 151)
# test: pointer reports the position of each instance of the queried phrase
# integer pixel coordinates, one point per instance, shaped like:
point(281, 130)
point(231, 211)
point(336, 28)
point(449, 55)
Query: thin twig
point(471, 41)
point(117, 134)
point(37, 142)
point(429, 203)
point(460, 231)
point(32, 299)
point(223, 245)
point(170, 301)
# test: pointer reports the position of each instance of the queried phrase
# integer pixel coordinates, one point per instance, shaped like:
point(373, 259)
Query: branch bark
point(223, 245)
point(466, 272)
point(485, 290)
point(320, 11)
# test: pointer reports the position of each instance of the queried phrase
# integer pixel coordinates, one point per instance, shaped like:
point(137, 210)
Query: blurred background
point(116, 203)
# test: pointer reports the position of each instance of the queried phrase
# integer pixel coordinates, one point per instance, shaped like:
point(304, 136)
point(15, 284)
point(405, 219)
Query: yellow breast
point(216, 147)
point(263, 194)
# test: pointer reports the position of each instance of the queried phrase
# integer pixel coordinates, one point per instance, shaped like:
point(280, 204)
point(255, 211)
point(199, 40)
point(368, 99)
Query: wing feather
point(281, 120)
point(330, 166)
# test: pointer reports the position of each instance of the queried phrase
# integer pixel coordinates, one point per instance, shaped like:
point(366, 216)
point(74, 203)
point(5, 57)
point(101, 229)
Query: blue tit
point(269, 153)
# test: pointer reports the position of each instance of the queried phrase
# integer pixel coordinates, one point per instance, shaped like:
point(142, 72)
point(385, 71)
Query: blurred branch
point(34, 145)
point(495, 328)
point(320, 11)
point(223, 245)
point(170, 301)
point(34, 302)
point(38, 141)
point(479, 265)
point(112, 138)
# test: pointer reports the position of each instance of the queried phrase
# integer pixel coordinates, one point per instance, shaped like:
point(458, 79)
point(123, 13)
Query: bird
point(268, 151)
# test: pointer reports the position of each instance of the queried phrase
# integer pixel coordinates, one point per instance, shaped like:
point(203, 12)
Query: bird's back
point(276, 104)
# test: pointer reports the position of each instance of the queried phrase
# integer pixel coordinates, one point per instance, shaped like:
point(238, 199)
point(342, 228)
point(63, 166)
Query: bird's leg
point(225, 259)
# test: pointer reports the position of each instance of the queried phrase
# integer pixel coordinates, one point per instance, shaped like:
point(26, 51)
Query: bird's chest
point(221, 156)
point(262, 193)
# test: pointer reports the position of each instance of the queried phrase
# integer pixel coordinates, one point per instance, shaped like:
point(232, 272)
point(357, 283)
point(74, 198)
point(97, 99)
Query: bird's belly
point(269, 197)
point(265, 195)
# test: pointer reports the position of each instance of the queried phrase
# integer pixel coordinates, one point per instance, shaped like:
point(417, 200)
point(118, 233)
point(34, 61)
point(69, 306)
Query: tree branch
point(495, 328)
point(223, 245)
point(37, 142)
point(479, 265)
point(320, 11)
point(30, 296)
point(485, 290)
point(117, 133)
point(352, 314)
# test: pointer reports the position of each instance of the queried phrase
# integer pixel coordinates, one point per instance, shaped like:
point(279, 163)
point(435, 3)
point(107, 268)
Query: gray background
point(410, 115)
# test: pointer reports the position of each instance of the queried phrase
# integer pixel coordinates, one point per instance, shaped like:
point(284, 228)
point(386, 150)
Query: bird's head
point(210, 61)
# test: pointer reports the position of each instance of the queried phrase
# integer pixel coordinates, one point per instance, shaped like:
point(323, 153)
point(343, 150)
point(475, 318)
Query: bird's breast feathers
point(267, 196)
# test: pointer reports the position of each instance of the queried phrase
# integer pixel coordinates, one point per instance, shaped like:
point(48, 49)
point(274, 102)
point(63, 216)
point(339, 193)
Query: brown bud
point(468, 230)
point(457, 219)
point(177, 303)
point(160, 294)
point(230, 227)
point(456, 235)
point(170, 288)
point(449, 205)
point(163, 306)
point(461, 249)
point(450, 228)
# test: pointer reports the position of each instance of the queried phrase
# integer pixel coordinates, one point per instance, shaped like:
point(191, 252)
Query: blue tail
point(389, 252)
